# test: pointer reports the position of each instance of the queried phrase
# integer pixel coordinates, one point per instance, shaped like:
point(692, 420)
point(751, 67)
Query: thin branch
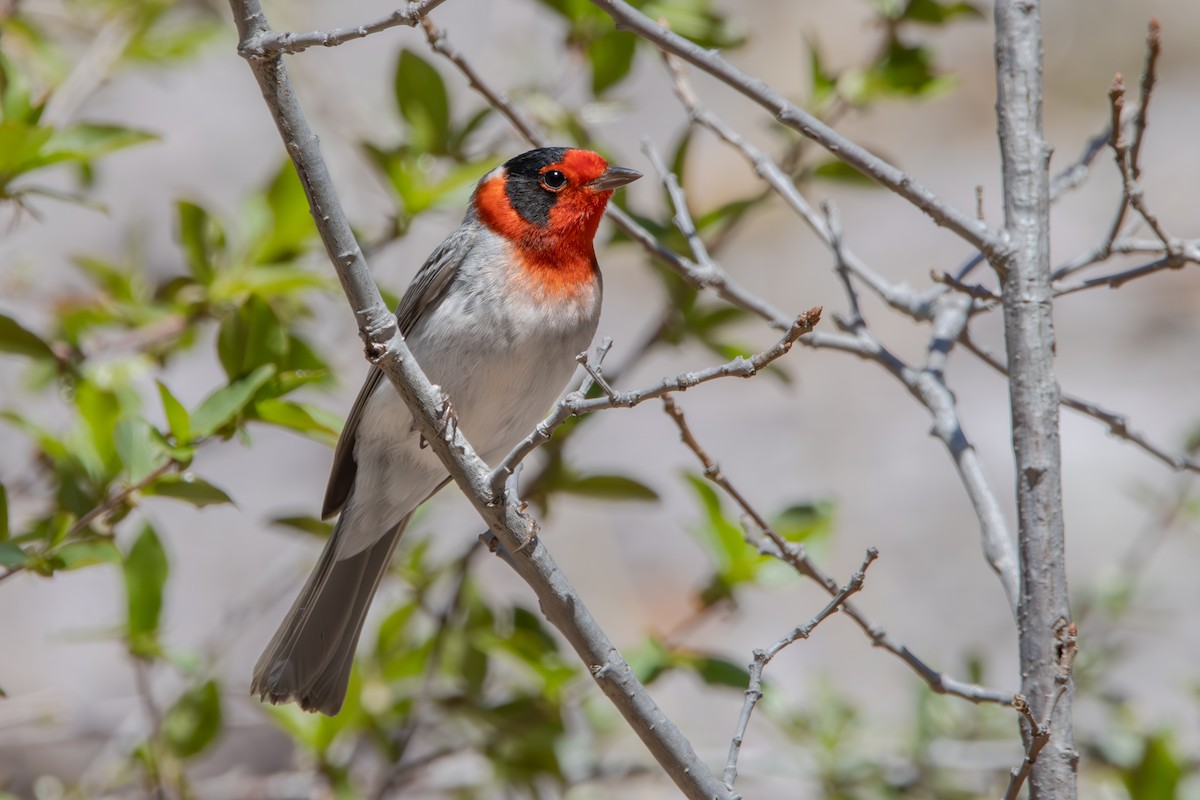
point(107, 507)
point(497, 100)
point(269, 44)
point(1115, 280)
point(1117, 423)
point(927, 386)
point(576, 404)
point(899, 297)
point(789, 114)
point(1149, 77)
point(683, 217)
point(763, 657)
point(1133, 194)
point(1075, 173)
point(711, 277)
point(797, 557)
point(504, 515)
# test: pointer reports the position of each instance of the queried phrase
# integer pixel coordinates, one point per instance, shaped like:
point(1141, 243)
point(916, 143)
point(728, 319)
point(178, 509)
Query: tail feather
point(309, 658)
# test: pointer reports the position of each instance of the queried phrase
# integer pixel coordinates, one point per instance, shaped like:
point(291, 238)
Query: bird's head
point(552, 197)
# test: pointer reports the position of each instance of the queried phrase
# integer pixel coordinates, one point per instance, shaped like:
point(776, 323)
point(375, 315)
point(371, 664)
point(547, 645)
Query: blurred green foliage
point(446, 674)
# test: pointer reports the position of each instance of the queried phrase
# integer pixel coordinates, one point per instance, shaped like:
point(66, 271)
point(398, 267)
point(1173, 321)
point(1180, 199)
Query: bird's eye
point(554, 180)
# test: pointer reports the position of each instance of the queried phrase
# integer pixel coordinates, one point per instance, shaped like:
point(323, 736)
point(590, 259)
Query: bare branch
point(1133, 194)
point(497, 100)
point(763, 657)
point(1033, 387)
point(899, 297)
point(683, 217)
point(107, 507)
point(504, 516)
point(797, 557)
point(268, 44)
point(791, 115)
point(576, 404)
point(1149, 77)
point(1117, 423)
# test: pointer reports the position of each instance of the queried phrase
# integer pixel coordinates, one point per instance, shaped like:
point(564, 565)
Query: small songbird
point(495, 317)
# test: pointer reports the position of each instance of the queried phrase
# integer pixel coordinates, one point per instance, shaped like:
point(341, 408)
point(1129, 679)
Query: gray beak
point(613, 178)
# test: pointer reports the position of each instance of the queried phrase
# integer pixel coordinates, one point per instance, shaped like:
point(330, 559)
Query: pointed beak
point(613, 178)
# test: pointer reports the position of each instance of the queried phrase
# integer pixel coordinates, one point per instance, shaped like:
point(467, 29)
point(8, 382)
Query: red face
point(548, 203)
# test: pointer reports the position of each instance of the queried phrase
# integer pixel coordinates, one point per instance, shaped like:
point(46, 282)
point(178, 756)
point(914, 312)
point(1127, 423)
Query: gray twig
point(1117, 423)
point(789, 114)
point(268, 44)
point(763, 657)
point(797, 557)
point(576, 404)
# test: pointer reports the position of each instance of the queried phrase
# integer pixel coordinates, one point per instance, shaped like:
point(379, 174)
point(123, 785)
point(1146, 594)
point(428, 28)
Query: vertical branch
point(1033, 388)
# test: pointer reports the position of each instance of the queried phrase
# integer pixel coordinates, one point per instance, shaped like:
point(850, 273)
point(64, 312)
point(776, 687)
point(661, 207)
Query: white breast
point(501, 356)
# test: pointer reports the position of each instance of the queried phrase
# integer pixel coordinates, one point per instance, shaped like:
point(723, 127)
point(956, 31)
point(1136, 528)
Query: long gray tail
point(309, 657)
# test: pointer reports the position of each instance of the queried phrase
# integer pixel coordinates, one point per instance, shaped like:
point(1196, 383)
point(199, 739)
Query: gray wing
point(425, 292)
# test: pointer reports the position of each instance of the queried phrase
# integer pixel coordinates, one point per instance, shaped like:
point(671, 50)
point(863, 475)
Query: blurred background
point(830, 446)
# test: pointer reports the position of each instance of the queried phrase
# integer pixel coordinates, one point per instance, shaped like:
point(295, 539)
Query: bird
point(495, 318)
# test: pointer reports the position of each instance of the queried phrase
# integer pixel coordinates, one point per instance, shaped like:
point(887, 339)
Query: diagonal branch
point(1118, 423)
point(513, 528)
point(577, 404)
point(797, 557)
point(763, 657)
point(268, 43)
point(973, 231)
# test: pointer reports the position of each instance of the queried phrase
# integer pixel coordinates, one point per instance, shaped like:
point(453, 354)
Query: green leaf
point(178, 420)
point(189, 488)
point(804, 522)
point(21, 341)
point(75, 555)
point(695, 20)
point(135, 443)
point(202, 240)
point(822, 83)
point(649, 660)
point(609, 487)
point(20, 144)
point(611, 56)
point(297, 417)
point(933, 12)
point(310, 525)
point(145, 572)
point(16, 100)
point(291, 223)
point(1159, 772)
point(716, 671)
point(251, 337)
point(84, 142)
point(736, 561)
point(194, 722)
point(424, 104)
point(834, 169)
point(4, 532)
point(222, 406)
point(12, 556)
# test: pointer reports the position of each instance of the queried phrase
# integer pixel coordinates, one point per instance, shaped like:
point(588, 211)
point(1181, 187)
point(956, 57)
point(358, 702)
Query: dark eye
point(554, 180)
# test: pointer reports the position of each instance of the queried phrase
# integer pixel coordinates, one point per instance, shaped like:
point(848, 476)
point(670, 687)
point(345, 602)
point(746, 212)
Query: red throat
point(557, 260)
